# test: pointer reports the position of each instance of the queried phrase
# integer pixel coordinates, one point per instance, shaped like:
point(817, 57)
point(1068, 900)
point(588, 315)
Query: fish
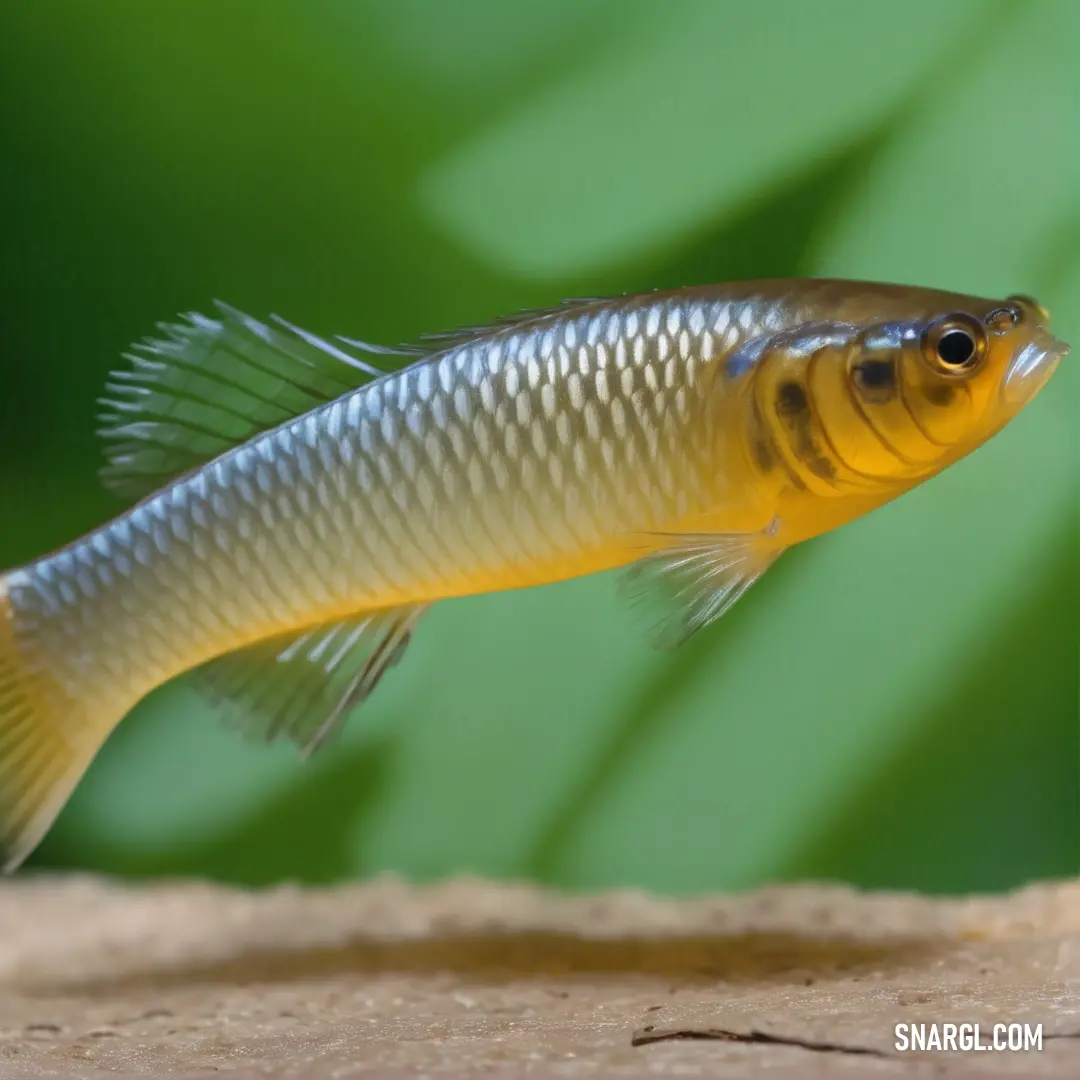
point(297, 503)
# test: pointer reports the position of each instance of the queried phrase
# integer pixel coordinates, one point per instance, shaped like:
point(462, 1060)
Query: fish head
point(961, 370)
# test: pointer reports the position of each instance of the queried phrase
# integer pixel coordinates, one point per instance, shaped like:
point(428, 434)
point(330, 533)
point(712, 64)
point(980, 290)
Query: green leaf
point(681, 118)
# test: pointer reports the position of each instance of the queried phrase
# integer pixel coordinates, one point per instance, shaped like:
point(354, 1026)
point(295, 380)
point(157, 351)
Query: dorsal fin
point(209, 385)
point(444, 340)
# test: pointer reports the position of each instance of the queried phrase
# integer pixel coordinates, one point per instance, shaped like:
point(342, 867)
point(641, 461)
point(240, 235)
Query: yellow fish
point(301, 507)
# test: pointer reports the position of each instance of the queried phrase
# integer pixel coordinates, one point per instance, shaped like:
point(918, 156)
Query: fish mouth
point(1032, 366)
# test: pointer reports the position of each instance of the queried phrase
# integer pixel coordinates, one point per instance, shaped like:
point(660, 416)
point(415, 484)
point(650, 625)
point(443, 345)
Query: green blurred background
point(897, 704)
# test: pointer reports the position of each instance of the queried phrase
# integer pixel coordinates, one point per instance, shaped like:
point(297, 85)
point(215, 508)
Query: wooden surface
point(468, 979)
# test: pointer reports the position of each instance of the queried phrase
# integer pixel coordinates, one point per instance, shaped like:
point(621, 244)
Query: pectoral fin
point(683, 587)
point(301, 686)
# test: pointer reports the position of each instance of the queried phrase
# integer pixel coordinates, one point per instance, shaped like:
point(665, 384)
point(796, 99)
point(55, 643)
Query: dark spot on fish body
point(764, 457)
point(939, 394)
point(876, 379)
point(809, 451)
point(761, 444)
point(793, 409)
point(791, 400)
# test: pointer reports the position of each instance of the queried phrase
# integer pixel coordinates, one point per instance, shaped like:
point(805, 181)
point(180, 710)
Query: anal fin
point(301, 686)
point(694, 579)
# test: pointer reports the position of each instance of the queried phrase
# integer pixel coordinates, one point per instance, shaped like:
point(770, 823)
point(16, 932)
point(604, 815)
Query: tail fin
point(43, 752)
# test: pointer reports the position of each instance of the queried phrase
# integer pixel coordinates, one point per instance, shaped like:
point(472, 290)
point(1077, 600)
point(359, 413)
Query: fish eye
point(955, 348)
point(955, 344)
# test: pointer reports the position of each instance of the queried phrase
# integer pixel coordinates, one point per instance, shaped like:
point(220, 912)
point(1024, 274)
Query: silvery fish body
point(301, 507)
